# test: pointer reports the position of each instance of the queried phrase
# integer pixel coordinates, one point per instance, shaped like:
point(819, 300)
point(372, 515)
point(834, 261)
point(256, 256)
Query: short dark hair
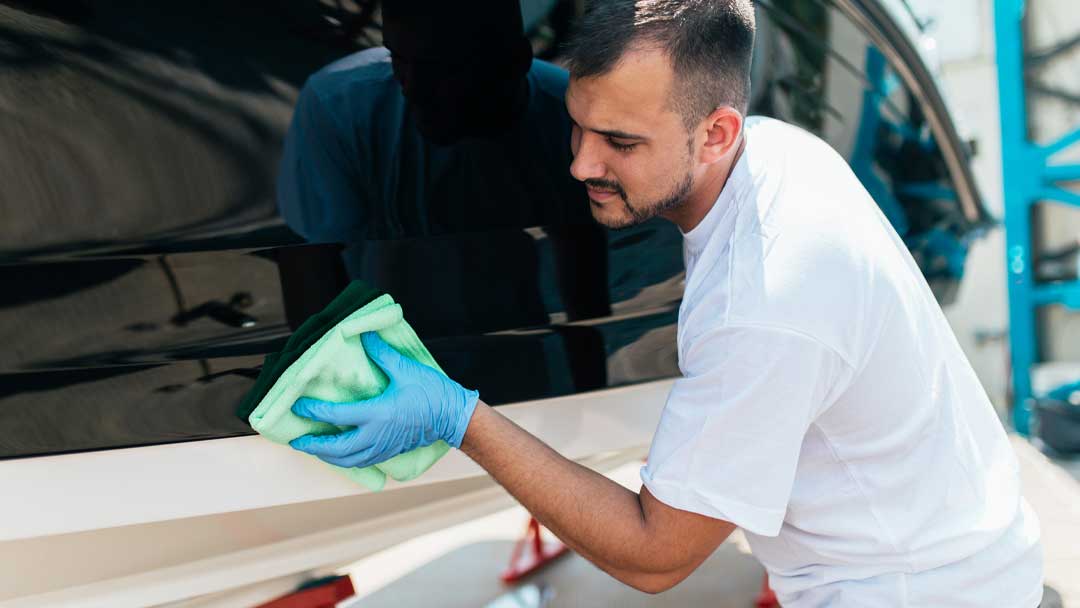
point(710, 44)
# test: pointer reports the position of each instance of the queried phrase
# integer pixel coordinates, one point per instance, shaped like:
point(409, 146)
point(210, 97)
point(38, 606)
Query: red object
point(531, 553)
point(767, 597)
point(319, 595)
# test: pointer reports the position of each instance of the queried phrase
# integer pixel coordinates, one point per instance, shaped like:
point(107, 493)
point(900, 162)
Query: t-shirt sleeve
point(730, 435)
point(319, 184)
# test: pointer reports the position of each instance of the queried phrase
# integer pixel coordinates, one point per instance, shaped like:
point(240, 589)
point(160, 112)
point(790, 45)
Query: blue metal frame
point(880, 83)
point(937, 243)
point(1028, 177)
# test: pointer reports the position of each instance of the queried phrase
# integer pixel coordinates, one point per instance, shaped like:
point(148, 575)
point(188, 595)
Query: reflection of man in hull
point(427, 158)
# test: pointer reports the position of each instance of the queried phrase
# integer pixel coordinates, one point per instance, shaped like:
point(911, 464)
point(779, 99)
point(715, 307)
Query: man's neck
point(688, 215)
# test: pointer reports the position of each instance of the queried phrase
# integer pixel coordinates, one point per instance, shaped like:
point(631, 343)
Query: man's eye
point(620, 147)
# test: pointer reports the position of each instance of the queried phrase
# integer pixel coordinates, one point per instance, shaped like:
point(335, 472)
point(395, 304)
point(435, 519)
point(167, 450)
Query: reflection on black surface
point(72, 410)
point(429, 166)
point(57, 280)
point(183, 184)
point(455, 198)
point(481, 143)
point(477, 89)
point(92, 101)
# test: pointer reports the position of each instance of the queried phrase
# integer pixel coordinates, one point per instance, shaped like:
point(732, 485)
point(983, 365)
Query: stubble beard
point(639, 213)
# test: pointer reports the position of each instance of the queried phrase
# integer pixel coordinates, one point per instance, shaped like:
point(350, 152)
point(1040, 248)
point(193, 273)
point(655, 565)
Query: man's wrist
point(470, 399)
point(471, 425)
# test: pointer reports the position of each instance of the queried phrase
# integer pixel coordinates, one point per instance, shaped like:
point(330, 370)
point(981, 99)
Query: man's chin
point(607, 217)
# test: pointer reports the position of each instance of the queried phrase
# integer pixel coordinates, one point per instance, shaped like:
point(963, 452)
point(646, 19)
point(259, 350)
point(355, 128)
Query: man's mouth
point(601, 195)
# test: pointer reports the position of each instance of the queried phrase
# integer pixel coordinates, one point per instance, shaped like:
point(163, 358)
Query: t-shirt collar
point(699, 235)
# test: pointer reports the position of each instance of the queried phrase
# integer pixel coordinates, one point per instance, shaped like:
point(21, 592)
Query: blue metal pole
point(1022, 167)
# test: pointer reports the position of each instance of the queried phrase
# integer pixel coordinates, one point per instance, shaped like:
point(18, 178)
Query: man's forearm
point(597, 517)
point(636, 538)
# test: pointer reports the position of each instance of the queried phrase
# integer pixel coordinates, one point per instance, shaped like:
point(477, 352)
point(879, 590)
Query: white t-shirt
point(825, 406)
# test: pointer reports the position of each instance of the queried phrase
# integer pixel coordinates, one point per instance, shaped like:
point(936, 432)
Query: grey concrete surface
point(1053, 489)
point(460, 566)
point(467, 577)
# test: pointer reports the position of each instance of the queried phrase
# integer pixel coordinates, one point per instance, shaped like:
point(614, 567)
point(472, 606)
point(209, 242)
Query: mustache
point(603, 184)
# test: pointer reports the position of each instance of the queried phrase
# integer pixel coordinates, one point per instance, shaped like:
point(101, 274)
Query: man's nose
point(588, 163)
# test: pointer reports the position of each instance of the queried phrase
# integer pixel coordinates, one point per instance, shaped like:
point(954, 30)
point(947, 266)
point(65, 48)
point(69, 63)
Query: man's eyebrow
point(618, 134)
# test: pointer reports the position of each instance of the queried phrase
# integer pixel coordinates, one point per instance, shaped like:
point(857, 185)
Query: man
point(825, 406)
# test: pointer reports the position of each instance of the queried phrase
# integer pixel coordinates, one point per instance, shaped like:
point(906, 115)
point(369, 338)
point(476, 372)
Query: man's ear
point(723, 130)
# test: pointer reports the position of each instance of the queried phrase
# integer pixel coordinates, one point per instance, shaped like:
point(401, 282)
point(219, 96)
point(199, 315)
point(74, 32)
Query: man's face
point(630, 148)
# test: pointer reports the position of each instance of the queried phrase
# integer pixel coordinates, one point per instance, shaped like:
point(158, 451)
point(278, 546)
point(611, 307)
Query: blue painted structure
point(1029, 176)
point(942, 252)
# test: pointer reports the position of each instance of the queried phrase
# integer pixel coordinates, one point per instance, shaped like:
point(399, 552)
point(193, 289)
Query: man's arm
point(635, 538)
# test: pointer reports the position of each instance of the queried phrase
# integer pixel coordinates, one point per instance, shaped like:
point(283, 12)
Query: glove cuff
point(469, 401)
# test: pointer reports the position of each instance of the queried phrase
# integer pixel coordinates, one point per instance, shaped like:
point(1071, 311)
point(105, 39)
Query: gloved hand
point(419, 407)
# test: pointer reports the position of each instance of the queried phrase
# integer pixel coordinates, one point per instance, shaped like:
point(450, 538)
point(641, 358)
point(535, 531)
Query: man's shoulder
point(362, 75)
point(803, 260)
point(806, 221)
point(801, 256)
point(783, 154)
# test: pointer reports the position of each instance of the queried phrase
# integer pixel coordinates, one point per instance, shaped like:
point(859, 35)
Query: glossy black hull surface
point(149, 256)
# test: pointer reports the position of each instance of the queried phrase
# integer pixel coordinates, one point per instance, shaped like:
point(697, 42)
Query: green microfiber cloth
point(354, 296)
point(334, 367)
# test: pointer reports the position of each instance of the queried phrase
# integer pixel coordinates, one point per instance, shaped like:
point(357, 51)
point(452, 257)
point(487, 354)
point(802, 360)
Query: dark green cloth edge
point(355, 296)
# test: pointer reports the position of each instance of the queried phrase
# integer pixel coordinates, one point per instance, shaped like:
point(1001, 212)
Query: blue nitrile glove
point(419, 407)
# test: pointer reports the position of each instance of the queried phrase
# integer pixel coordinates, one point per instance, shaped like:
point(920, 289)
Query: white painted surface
point(268, 569)
point(75, 492)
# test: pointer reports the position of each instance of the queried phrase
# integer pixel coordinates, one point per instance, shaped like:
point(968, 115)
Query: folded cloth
point(353, 297)
point(335, 368)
